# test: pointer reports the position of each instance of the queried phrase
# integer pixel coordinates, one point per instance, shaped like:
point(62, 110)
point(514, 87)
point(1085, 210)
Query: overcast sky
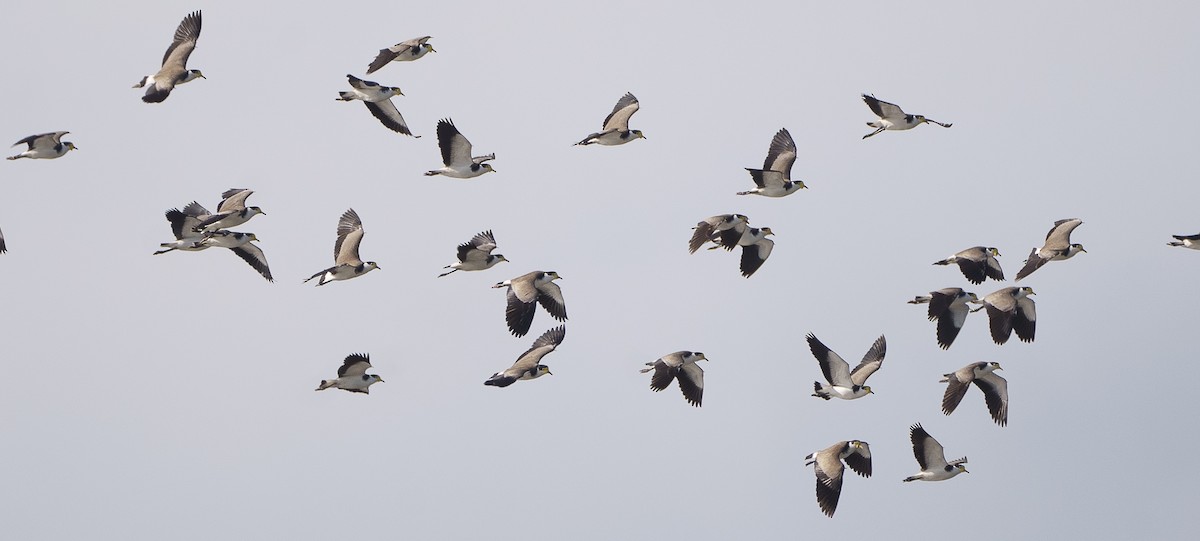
point(171, 397)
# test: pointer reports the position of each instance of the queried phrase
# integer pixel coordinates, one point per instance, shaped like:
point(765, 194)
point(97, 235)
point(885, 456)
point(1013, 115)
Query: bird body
point(347, 263)
point(827, 464)
point(616, 125)
point(352, 376)
point(1009, 309)
point(775, 178)
point(842, 382)
point(982, 374)
point(681, 366)
point(892, 117)
point(948, 307)
point(977, 264)
point(932, 458)
point(1057, 247)
point(231, 212)
point(405, 51)
point(525, 292)
point(456, 154)
point(528, 365)
point(378, 99)
point(476, 254)
point(174, 71)
point(44, 146)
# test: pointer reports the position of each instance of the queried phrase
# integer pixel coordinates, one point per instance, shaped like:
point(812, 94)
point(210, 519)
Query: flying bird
point(456, 154)
point(1057, 247)
point(681, 366)
point(844, 383)
point(405, 51)
point(775, 178)
point(1186, 241)
point(984, 376)
point(707, 229)
point(891, 117)
point(174, 71)
point(616, 125)
point(528, 365)
point(231, 212)
point(44, 146)
point(353, 376)
point(827, 464)
point(378, 100)
point(948, 307)
point(476, 254)
point(347, 263)
point(932, 458)
point(756, 247)
point(977, 264)
point(183, 226)
point(1010, 309)
point(525, 292)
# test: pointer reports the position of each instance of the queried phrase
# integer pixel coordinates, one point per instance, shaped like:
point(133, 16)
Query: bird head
point(395, 91)
point(255, 210)
point(196, 74)
point(373, 265)
point(994, 252)
point(1027, 290)
point(867, 388)
point(253, 237)
point(699, 356)
point(801, 184)
point(767, 231)
point(543, 370)
point(961, 468)
point(553, 275)
point(995, 365)
point(500, 257)
point(1078, 248)
point(377, 378)
point(921, 118)
point(637, 134)
point(429, 48)
point(70, 146)
point(488, 167)
point(971, 297)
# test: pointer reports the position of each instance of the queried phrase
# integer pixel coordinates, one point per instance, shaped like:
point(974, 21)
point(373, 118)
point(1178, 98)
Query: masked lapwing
point(529, 364)
point(932, 458)
point(616, 125)
point(1057, 247)
point(680, 366)
point(977, 264)
point(525, 292)
point(476, 254)
point(892, 117)
point(347, 263)
point(353, 376)
point(982, 374)
point(1010, 309)
point(842, 382)
point(44, 146)
point(775, 178)
point(827, 464)
point(174, 71)
point(948, 306)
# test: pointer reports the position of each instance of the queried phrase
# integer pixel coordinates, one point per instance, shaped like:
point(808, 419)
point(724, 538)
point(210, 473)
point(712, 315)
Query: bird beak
point(549, 373)
point(431, 49)
point(380, 380)
point(1082, 250)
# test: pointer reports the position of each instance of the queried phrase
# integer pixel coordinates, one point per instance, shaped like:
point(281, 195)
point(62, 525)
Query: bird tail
point(345, 96)
point(1168, 244)
point(874, 124)
point(943, 262)
point(818, 392)
point(447, 272)
point(745, 193)
point(168, 248)
point(945, 378)
point(911, 478)
point(17, 157)
point(920, 299)
point(432, 173)
point(498, 380)
point(325, 384)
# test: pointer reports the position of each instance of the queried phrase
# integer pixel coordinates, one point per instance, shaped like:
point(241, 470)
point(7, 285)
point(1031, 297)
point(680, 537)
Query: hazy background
point(170, 397)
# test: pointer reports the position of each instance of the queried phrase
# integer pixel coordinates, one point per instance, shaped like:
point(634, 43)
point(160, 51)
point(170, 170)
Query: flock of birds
point(1009, 309)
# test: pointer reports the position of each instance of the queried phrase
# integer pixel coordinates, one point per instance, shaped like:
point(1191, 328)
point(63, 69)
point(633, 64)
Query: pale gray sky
point(170, 397)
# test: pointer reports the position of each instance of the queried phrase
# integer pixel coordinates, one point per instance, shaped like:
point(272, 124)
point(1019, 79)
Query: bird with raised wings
point(44, 146)
point(231, 211)
point(347, 263)
point(892, 117)
point(775, 178)
point(529, 364)
point(1058, 247)
point(932, 458)
point(174, 71)
point(353, 376)
point(844, 383)
point(456, 154)
point(616, 125)
point(525, 292)
point(476, 254)
point(679, 366)
point(827, 464)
